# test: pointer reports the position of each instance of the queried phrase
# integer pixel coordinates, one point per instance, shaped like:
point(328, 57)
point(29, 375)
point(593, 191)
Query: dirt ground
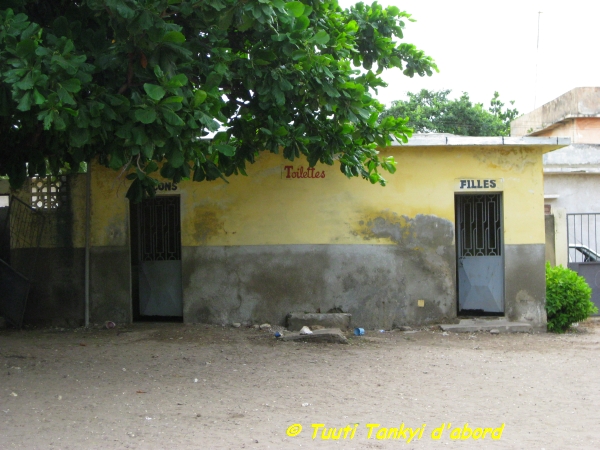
point(174, 386)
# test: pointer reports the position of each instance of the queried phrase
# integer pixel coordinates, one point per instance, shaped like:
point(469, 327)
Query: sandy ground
point(173, 386)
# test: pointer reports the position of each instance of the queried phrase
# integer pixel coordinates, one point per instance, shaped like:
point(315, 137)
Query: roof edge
point(466, 141)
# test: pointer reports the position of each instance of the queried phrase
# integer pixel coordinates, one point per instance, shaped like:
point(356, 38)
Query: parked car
point(587, 254)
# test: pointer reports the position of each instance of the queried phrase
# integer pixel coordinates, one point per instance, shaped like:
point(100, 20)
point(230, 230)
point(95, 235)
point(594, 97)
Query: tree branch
point(129, 75)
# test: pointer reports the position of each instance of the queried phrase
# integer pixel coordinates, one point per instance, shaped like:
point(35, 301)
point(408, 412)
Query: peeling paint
point(422, 231)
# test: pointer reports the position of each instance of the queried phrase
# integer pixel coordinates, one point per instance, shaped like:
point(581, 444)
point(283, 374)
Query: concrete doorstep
point(297, 320)
point(331, 335)
point(492, 325)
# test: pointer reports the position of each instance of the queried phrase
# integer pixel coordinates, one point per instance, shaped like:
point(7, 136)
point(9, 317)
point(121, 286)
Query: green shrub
point(567, 298)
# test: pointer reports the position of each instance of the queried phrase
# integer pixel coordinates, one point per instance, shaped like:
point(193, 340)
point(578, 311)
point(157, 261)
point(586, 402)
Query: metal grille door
point(160, 229)
point(479, 242)
point(159, 253)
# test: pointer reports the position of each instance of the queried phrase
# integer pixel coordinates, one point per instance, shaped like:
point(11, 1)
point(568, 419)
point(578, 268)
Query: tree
point(143, 84)
point(434, 112)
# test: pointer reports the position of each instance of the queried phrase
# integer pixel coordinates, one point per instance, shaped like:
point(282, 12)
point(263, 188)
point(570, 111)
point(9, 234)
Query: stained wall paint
point(267, 209)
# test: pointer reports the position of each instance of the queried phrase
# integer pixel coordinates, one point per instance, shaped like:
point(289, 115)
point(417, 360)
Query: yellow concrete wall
point(77, 185)
point(110, 208)
point(266, 208)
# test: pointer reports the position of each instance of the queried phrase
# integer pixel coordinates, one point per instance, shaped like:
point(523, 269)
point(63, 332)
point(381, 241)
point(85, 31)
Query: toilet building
point(457, 231)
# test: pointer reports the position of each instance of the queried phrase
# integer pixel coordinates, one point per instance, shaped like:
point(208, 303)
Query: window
point(48, 193)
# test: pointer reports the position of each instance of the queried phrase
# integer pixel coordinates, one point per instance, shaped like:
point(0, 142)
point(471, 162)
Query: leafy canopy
point(141, 84)
point(434, 112)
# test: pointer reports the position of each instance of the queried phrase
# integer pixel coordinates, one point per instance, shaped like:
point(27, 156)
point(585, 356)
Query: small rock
point(236, 325)
point(14, 394)
point(305, 404)
point(265, 326)
point(404, 328)
point(445, 333)
point(494, 331)
point(305, 330)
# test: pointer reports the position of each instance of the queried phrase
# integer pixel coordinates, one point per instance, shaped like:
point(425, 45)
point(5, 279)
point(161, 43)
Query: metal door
point(159, 257)
point(479, 251)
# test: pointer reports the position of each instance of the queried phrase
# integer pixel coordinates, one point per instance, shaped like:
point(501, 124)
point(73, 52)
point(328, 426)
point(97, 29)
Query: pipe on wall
point(88, 216)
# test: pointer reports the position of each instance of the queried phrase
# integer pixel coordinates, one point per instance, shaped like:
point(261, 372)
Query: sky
point(486, 46)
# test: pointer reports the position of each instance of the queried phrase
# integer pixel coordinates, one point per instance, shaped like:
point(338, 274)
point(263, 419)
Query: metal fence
point(583, 231)
point(583, 234)
point(25, 226)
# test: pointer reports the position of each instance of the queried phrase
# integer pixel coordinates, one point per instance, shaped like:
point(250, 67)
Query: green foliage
point(138, 83)
point(433, 112)
point(567, 298)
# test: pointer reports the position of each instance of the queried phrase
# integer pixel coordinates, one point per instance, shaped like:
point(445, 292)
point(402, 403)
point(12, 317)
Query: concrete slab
point(331, 335)
point(501, 325)
point(297, 320)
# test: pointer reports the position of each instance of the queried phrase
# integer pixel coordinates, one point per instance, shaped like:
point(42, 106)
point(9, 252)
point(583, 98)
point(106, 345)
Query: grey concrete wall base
point(297, 320)
point(525, 294)
point(380, 285)
point(110, 284)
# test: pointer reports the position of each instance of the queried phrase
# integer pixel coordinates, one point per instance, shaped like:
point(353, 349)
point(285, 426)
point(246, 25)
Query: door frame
point(135, 238)
point(502, 249)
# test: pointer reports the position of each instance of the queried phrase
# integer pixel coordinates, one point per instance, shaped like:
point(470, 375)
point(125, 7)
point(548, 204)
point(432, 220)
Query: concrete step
point(332, 335)
point(502, 325)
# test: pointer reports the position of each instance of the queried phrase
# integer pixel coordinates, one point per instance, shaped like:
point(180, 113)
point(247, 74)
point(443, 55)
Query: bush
point(567, 298)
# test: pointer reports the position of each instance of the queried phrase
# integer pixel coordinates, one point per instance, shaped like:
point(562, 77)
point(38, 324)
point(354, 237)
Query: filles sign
point(479, 184)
